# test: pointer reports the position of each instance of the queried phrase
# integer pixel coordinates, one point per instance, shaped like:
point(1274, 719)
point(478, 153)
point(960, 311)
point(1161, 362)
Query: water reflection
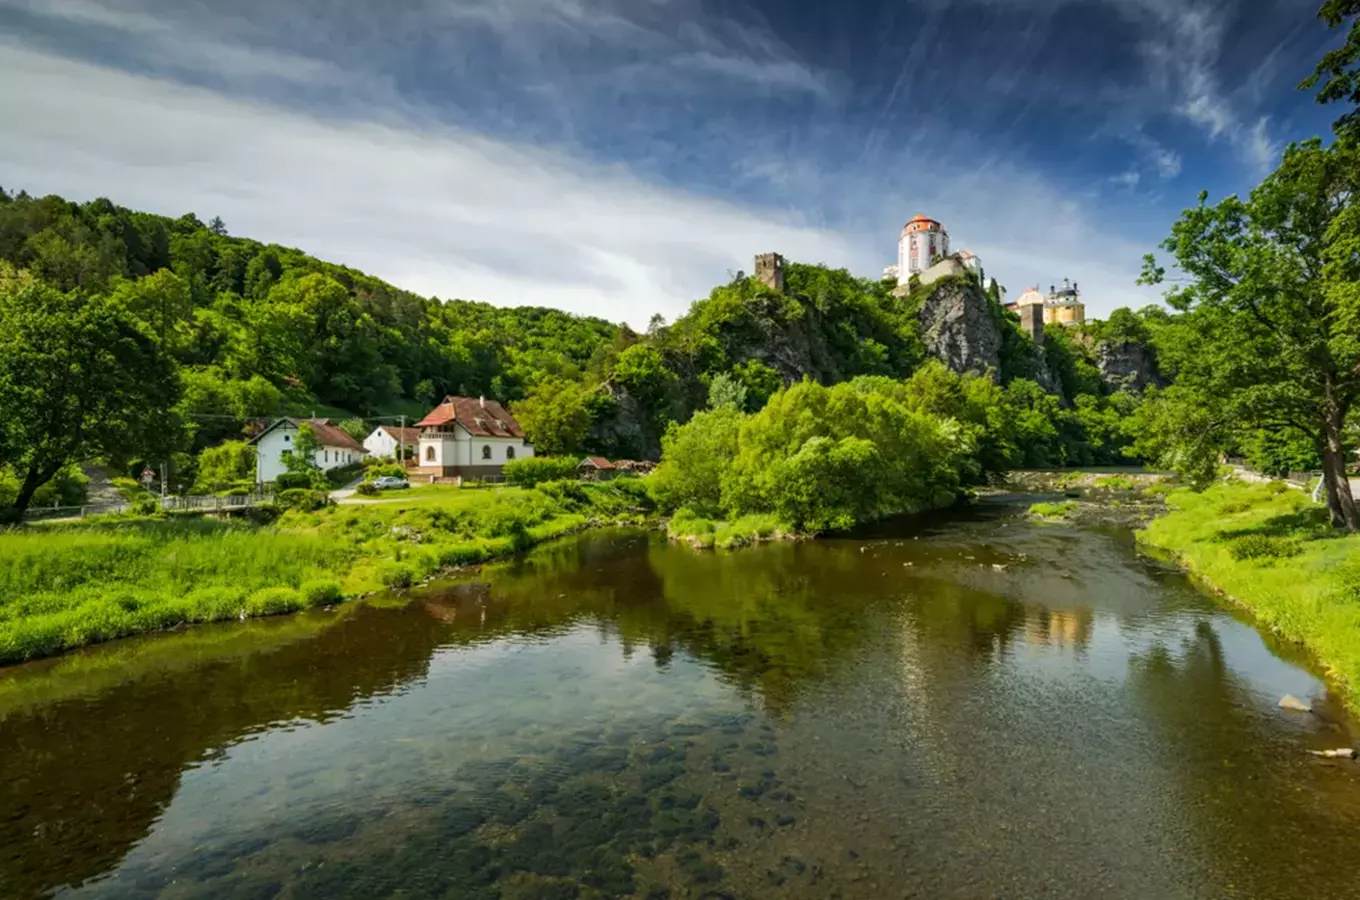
point(923, 709)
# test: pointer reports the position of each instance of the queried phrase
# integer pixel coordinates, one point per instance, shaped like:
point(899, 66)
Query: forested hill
point(236, 309)
point(254, 330)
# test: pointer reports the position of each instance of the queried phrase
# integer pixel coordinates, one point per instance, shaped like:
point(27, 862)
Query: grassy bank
point(1271, 549)
point(65, 586)
point(705, 534)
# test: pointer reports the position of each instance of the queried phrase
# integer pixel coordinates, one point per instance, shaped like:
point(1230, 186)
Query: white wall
point(462, 449)
point(380, 443)
point(270, 448)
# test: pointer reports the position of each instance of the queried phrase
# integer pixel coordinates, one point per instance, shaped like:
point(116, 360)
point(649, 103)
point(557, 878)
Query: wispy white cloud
point(446, 212)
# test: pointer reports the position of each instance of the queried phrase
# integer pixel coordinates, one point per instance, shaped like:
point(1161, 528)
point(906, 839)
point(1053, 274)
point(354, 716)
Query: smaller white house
point(337, 447)
point(463, 436)
point(385, 440)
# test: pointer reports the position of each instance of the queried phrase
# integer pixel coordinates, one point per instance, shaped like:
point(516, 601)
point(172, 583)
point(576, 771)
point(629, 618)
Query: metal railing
point(206, 503)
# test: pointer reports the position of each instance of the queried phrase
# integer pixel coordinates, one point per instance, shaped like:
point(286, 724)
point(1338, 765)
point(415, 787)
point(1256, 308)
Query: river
point(974, 706)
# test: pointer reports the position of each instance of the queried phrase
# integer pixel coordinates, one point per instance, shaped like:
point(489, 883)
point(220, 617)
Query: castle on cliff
point(923, 253)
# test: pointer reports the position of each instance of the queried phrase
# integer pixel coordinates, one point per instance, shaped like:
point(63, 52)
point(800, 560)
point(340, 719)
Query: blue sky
point(620, 157)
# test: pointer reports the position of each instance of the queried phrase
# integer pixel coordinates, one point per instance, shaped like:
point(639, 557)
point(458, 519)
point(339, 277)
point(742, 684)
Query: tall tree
point(77, 382)
point(1339, 70)
point(1270, 336)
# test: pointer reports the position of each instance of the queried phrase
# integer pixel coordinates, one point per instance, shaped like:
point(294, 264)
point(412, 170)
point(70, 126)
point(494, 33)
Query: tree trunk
point(35, 479)
point(1339, 498)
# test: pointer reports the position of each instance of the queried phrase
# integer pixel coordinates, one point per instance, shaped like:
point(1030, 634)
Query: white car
point(390, 482)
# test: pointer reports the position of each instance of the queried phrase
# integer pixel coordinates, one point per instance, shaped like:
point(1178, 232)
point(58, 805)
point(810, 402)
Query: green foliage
point(221, 466)
point(293, 481)
point(340, 476)
point(726, 392)
point(554, 416)
point(1116, 483)
point(1339, 69)
point(355, 428)
point(1263, 547)
point(1049, 510)
point(1268, 337)
point(533, 470)
point(694, 460)
point(303, 499)
point(366, 489)
point(272, 601)
point(77, 381)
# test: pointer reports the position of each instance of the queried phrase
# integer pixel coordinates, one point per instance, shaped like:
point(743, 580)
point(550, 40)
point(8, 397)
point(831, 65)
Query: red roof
point(482, 418)
point(404, 435)
point(598, 462)
point(328, 434)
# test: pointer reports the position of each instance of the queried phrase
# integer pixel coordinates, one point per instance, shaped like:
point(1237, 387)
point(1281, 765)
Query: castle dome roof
point(921, 222)
point(1030, 296)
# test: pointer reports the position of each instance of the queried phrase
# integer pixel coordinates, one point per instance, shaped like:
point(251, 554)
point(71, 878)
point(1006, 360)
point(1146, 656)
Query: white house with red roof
point(337, 447)
point(467, 436)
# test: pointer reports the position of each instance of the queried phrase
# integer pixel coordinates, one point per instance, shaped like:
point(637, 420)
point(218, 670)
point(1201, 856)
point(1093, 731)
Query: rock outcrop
point(625, 430)
point(1127, 366)
point(958, 328)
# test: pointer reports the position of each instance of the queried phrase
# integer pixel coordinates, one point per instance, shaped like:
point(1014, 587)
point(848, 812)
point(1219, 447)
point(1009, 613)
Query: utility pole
point(401, 442)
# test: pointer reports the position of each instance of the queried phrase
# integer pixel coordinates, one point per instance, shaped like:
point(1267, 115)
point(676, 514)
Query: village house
point(463, 436)
point(337, 447)
point(385, 440)
point(596, 468)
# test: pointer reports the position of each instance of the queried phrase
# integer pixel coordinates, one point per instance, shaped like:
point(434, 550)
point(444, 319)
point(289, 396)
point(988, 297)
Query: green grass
point(1053, 510)
point(704, 534)
point(1117, 483)
point(1273, 551)
point(68, 585)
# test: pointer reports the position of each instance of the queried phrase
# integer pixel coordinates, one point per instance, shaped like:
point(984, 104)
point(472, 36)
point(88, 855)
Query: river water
point(979, 706)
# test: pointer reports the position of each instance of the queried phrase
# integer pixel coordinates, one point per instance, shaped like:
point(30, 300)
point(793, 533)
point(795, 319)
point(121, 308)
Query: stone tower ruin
point(1032, 322)
point(770, 271)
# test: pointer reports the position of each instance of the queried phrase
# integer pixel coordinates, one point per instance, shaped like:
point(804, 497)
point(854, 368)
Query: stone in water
point(1289, 701)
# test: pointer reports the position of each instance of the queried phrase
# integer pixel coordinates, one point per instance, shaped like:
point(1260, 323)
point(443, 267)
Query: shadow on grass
point(1306, 525)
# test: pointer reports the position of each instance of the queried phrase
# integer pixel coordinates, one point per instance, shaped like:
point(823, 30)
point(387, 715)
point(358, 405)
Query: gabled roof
point(404, 435)
point(481, 417)
point(331, 436)
point(598, 462)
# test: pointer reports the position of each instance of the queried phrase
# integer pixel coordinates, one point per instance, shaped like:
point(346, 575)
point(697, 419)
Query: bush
point(571, 493)
point(1117, 483)
point(534, 470)
point(1263, 547)
point(289, 481)
point(145, 505)
point(366, 489)
point(272, 601)
point(263, 513)
point(304, 500)
point(396, 575)
point(343, 475)
point(320, 592)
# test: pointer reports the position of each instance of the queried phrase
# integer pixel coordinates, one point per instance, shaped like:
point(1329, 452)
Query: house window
point(325, 456)
point(509, 452)
point(486, 451)
point(429, 454)
point(287, 438)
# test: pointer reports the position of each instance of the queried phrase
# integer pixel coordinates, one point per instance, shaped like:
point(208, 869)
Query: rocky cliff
point(1126, 365)
point(958, 328)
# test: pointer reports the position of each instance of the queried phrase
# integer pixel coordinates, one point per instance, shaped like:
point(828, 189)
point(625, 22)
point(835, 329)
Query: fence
point(1297, 479)
point(194, 503)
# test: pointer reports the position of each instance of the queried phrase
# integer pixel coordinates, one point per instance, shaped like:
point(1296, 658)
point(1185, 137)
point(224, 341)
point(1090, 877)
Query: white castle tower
point(923, 243)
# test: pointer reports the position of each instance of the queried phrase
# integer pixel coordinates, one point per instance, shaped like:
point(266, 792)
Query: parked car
point(390, 482)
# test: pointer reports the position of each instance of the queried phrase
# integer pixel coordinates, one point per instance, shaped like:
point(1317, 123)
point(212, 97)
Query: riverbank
point(67, 586)
point(1270, 549)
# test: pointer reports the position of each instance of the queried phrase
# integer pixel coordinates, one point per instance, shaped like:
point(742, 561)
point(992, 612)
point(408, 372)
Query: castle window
point(429, 453)
point(486, 451)
point(509, 452)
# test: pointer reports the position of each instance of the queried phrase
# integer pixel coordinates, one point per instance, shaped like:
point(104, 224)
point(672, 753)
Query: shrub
point(1053, 510)
point(320, 592)
point(303, 500)
point(1116, 483)
point(289, 481)
point(366, 489)
point(145, 505)
point(263, 513)
point(534, 470)
point(571, 493)
point(396, 574)
point(272, 601)
point(343, 475)
point(1263, 547)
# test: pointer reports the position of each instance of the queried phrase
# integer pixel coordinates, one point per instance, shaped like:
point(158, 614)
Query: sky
point(619, 158)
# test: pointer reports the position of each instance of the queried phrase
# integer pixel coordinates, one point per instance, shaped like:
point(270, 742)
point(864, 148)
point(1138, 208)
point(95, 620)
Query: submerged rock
point(1290, 702)
point(1341, 753)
